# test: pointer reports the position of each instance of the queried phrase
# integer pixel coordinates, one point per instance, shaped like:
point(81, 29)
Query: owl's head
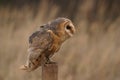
point(63, 27)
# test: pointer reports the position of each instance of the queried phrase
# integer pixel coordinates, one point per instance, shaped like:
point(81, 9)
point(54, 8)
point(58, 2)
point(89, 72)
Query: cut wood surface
point(50, 71)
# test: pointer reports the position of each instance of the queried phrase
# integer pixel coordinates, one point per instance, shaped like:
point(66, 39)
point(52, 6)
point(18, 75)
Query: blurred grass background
point(92, 54)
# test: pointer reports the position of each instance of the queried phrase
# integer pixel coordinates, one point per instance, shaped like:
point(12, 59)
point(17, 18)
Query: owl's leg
point(48, 61)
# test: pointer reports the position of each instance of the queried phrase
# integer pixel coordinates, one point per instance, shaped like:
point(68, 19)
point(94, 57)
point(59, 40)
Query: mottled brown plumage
point(45, 42)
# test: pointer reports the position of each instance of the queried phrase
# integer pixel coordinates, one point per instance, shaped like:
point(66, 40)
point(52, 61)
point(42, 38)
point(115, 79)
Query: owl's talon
point(48, 61)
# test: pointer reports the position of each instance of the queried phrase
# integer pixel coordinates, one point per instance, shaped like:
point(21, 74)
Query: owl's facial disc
point(70, 29)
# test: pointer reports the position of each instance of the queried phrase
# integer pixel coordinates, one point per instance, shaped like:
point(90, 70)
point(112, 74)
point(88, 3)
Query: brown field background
point(92, 54)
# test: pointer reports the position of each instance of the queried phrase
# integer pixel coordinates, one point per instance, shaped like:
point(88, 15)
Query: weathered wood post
point(50, 71)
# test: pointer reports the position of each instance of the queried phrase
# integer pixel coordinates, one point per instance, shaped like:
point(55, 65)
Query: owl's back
point(40, 39)
point(39, 42)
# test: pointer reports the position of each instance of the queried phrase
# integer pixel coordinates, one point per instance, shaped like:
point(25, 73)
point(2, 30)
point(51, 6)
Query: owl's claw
point(49, 61)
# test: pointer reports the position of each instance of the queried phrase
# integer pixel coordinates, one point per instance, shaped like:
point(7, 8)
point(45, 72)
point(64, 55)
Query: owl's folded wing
point(40, 39)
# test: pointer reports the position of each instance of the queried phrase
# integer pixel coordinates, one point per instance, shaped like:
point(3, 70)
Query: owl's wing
point(40, 39)
point(39, 42)
point(32, 36)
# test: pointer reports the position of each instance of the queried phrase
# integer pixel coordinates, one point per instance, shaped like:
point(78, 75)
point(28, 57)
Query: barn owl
point(47, 41)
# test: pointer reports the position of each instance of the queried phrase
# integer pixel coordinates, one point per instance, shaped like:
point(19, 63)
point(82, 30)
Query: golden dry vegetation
point(92, 54)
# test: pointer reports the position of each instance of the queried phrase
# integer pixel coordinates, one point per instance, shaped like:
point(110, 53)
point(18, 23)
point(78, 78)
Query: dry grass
point(86, 56)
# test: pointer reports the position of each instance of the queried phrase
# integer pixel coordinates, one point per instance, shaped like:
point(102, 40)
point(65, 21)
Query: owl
point(47, 41)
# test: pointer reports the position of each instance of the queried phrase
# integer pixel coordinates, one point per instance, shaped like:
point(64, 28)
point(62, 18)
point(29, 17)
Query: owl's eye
point(68, 27)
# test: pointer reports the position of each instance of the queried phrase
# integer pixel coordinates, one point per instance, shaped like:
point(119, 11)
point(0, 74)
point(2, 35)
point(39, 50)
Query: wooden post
point(50, 71)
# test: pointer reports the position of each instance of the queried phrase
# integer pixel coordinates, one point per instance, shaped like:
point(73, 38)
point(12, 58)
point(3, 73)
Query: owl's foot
point(49, 61)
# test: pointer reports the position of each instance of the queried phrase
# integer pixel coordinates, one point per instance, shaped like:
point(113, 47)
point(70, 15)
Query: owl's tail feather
point(28, 69)
point(23, 67)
